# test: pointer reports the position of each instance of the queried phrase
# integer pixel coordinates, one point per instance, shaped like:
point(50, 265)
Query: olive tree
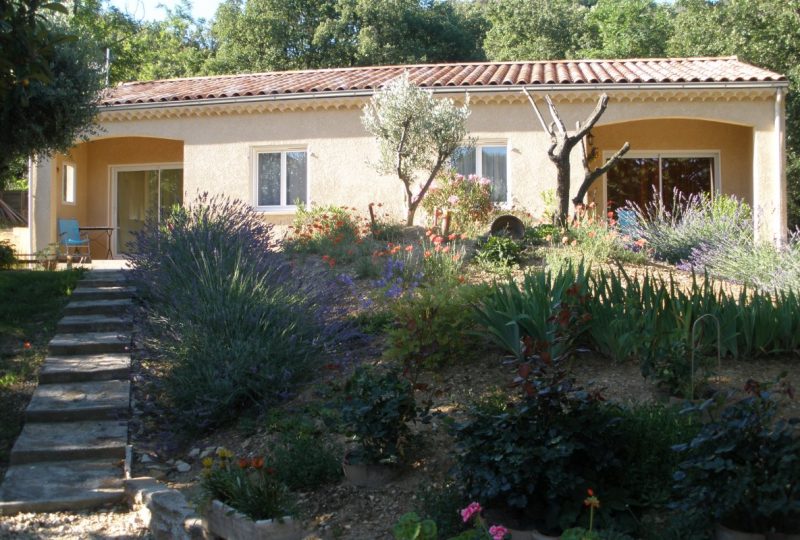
point(417, 134)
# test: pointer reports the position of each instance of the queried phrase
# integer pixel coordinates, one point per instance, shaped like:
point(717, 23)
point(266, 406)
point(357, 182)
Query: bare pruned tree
point(561, 145)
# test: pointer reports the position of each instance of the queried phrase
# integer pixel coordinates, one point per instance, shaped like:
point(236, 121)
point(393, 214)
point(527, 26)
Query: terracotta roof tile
point(463, 75)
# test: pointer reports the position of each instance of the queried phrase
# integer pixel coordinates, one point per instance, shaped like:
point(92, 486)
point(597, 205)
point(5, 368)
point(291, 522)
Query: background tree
point(627, 29)
point(416, 132)
point(534, 29)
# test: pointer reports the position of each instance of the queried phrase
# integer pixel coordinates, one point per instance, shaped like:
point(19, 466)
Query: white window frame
point(69, 198)
point(477, 145)
point(285, 207)
point(716, 185)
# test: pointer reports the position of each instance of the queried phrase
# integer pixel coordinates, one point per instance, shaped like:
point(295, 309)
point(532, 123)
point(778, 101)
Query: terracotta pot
point(724, 533)
point(225, 522)
point(368, 475)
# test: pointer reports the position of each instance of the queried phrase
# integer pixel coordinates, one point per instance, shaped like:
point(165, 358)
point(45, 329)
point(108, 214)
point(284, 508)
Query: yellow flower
point(224, 453)
point(208, 462)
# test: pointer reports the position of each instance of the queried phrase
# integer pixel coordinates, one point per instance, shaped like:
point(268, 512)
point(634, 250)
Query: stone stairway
point(71, 453)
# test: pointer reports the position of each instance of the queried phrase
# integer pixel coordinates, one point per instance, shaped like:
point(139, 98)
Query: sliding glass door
point(142, 193)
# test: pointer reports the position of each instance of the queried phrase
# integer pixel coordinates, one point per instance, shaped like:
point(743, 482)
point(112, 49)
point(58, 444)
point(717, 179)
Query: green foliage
point(628, 29)
point(377, 408)
point(237, 329)
point(541, 234)
point(305, 461)
point(416, 132)
point(597, 242)
point(743, 469)
point(8, 256)
point(544, 316)
point(467, 198)
point(411, 527)
point(441, 502)
point(246, 486)
point(434, 327)
point(41, 114)
point(534, 29)
point(328, 230)
point(500, 250)
point(692, 222)
point(265, 35)
point(539, 455)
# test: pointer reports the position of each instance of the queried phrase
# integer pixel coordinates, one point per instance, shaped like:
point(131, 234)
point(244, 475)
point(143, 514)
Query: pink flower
point(471, 510)
point(453, 199)
point(498, 532)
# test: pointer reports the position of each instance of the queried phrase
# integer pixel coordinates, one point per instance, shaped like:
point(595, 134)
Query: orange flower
point(409, 248)
point(427, 253)
point(243, 463)
point(591, 234)
point(325, 258)
point(331, 262)
point(452, 237)
point(564, 240)
point(574, 243)
point(446, 249)
point(438, 240)
point(257, 463)
point(26, 345)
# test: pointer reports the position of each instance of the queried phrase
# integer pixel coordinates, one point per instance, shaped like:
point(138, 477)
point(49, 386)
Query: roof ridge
point(234, 76)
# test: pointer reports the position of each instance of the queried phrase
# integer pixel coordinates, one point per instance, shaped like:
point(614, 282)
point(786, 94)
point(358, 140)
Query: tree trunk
point(412, 210)
point(562, 190)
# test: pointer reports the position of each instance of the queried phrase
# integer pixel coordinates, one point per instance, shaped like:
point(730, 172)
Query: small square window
point(68, 184)
point(488, 161)
point(281, 179)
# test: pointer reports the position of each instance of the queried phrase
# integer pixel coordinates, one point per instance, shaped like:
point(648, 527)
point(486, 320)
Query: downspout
point(779, 196)
point(31, 213)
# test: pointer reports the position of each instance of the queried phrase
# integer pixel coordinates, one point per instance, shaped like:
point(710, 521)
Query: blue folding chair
point(69, 236)
point(626, 222)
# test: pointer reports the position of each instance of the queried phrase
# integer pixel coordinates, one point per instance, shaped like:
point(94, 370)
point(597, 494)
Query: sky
point(149, 10)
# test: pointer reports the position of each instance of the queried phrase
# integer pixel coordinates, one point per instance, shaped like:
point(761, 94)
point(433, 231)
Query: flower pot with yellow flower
point(246, 500)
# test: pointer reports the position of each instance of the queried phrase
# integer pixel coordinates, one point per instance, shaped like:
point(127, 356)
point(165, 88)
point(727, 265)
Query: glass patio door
point(144, 193)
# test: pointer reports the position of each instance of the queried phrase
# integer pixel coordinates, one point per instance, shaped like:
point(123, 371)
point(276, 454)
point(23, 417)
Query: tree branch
point(591, 176)
point(598, 111)
point(562, 129)
point(538, 114)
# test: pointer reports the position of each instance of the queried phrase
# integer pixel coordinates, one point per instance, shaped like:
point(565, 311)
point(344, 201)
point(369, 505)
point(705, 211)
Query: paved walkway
point(71, 453)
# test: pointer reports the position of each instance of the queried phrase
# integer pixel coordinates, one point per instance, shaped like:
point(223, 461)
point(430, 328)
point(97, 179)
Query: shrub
point(467, 198)
point(245, 485)
point(304, 461)
point(328, 230)
point(440, 502)
point(377, 409)
point(743, 469)
point(8, 257)
point(600, 241)
point(500, 250)
point(237, 327)
point(434, 327)
point(694, 221)
point(538, 456)
point(760, 264)
point(541, 234)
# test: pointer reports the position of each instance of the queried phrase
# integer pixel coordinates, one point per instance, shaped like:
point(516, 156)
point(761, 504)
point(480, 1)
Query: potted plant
point(245, 499)
point(530, 460)
point(377, 409)
point(743, 470)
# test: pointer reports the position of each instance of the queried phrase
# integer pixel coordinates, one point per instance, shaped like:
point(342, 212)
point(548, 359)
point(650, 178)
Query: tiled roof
point(463, 76)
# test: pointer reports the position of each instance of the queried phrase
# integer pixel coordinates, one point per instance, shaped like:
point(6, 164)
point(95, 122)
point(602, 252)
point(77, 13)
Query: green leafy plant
point(304, 461)
point(376, 411)
point(500, 250)
point(246, 485)
point(541, 234)
point(744, 468)
point(8, 257)
point(467, 198)
point(534, 456)
point(434, 327)
point(440, 502)
point(332, 231)
point(411, 527)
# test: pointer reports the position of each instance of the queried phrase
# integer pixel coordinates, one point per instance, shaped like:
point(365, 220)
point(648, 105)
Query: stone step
point(90, 343)
point(63, 441)
point(114, 292)
point(93, 323)
point(70, 402)
point(97, 307)
point(99, 367)
point(110, 281)
point(61, 486)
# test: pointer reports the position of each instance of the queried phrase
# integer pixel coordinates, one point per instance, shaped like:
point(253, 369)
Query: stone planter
point(721, 532)
point(368, 475)
point(225, 522)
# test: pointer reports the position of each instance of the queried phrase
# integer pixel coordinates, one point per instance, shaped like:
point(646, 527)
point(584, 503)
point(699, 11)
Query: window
point(281, 179)
point(488, 161)
point(638, 178)
point(68, 184)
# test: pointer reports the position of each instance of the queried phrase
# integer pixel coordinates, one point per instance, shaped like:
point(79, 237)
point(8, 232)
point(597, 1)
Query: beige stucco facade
point(217, 144)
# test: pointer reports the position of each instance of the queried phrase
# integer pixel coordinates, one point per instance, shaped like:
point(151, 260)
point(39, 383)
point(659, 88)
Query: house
point(274, 139)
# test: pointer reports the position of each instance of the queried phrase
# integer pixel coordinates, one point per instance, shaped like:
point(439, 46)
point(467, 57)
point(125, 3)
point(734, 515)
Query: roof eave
point(534, 88)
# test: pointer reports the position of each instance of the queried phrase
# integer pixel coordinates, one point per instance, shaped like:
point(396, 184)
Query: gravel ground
point(118, 523)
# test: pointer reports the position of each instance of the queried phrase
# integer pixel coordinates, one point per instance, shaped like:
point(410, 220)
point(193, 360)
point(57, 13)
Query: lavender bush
point(693, 221)
point(237, 326)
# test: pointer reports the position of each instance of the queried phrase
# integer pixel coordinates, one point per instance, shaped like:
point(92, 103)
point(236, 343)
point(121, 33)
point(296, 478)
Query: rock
point(182, 466)
point(157, 473)
point(145, 459)
point(195, 453)
point(209, 451)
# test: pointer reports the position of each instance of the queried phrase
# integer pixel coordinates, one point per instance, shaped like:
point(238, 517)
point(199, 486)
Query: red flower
point(243, 463)
point(257, 463)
